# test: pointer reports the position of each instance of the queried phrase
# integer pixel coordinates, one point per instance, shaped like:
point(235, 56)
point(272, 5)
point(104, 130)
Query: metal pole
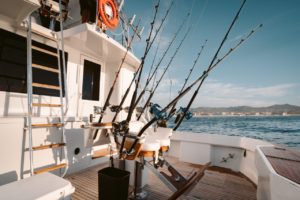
point(60, 85)
point(97, 14)
point(63, 58)
point(29, 92)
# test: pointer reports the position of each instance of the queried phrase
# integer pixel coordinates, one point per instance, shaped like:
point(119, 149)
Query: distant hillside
point(274, 109)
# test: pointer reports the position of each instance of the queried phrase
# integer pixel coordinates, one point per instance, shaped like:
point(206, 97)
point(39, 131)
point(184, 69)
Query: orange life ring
point(110, 22)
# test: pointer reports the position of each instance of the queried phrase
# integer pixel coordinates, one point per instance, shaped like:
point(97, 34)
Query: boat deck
point(216, 184)
point(285, 162)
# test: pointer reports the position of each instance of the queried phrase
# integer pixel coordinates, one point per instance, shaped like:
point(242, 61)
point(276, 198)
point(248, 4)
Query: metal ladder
point(61, 125)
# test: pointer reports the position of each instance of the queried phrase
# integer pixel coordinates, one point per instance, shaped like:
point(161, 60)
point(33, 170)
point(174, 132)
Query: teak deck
point(214, 185)
point(286, 162)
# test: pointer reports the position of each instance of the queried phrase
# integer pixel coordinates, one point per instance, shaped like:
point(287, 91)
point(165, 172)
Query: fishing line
point(202, 13)
point(161, 59)
point(161, 77)
point(188, 77)
point(210, 65)
point(133, 99)
point(205, 74)
point(191, 11)
point(154, 58)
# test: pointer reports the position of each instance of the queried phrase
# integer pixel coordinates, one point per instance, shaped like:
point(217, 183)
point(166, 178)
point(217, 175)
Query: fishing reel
point(188, 114)
point(117, 108)
point(120, 127)
point(155, 110)
point(161, 116)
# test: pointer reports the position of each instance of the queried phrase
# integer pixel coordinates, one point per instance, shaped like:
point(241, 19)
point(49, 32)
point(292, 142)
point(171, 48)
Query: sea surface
point(283, 130)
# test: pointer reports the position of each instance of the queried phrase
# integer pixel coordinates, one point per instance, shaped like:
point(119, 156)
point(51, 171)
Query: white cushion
point(163, 133)
point(42, 186)
point(151, 144)
point(167, 132)
point(135, 127)
point(164, 142)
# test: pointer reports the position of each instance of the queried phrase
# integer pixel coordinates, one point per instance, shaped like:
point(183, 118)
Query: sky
point(263, 71)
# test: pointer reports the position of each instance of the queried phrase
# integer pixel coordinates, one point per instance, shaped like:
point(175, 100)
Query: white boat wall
point(246, 157)
point(83, 44)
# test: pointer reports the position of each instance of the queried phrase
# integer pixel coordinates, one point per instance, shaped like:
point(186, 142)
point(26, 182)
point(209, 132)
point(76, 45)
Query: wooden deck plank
point(86, 183)
point(286, 162)
point(276, 152)
point(287, 168)
point(214, 185)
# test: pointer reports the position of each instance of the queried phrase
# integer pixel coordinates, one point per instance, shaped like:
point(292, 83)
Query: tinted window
point(91, 81)
point(13, 65)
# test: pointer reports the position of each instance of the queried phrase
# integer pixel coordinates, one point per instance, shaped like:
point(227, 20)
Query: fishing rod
point(106, 104)
point(118, 109)
point(210, 65)
point(153, 61)
point(188, 76)
point(196, 91)
point(133, 99)
point(164, 72)
point(161, 59)
point(185, 91)
point(160, 26)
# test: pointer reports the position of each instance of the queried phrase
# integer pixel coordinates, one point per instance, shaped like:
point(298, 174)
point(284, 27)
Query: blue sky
point(265, 70)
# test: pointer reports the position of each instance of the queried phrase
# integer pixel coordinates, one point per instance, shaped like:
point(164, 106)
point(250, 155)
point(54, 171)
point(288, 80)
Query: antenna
point(121, 5)
point(129, 25)
point(132, 20)
point(134, 28)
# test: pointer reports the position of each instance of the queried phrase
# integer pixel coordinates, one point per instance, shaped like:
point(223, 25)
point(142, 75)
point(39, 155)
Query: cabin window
point(91, 81)
point(13, 65)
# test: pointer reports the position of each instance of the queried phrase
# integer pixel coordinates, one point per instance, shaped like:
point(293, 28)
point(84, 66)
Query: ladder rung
point(51, 168)
point(49, 146)
point(44, 51)
point(45, 68)
point(44, 35)
point(105, 124)
point(46, 105)
point(47, 125)
point(53, 87)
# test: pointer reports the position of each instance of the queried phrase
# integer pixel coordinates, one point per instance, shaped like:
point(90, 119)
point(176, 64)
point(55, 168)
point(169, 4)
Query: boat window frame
point(98, 87)
point(18, 82)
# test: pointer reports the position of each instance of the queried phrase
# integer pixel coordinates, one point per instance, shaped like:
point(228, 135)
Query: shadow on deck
point(216, 184)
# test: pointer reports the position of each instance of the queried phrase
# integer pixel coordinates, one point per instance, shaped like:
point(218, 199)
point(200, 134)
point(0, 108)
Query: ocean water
point(283, 130)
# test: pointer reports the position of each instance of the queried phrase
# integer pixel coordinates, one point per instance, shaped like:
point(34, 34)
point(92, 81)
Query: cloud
point(166, 83)
point(218, 94)
point(215, 88)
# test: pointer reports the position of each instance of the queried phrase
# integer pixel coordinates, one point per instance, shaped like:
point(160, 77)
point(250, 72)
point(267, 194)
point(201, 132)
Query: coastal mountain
point(270, 110)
